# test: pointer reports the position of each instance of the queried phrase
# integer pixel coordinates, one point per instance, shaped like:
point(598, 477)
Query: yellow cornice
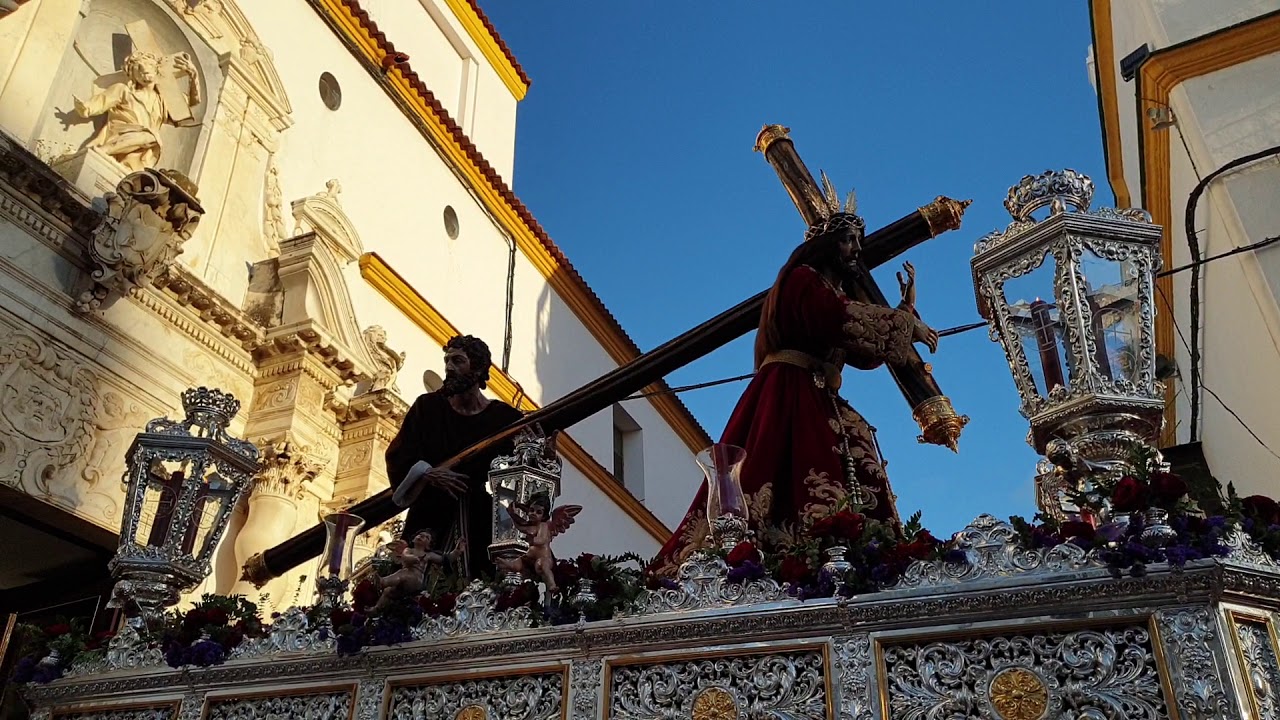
point(489, 45)
point(562, 279)
point(1104, 64)
point(397, 291)
point(1160, 74)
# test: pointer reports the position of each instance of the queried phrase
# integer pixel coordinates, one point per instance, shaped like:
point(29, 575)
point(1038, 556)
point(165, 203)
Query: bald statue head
point(466, 365)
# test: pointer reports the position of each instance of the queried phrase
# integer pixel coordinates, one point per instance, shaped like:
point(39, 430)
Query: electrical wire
point(1193, 245)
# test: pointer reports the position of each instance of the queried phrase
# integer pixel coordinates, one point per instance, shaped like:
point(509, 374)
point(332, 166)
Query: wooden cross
point(939, 423)
point(167, 84)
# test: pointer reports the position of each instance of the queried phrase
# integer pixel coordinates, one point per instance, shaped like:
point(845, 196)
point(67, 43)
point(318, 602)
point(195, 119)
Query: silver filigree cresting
point(702, 582)
point(787, 685)
point(290, 633)
point(475, 613)
point(993, 550)
point(515, 697)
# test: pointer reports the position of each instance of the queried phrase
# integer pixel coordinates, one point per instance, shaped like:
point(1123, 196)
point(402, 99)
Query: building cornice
point(1108, 105)
point(495, 50)
point(397, 291)
point(402, 84)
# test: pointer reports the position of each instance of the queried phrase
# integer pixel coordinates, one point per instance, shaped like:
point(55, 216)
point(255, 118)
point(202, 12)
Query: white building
point(354, 207)
point(1187, 88)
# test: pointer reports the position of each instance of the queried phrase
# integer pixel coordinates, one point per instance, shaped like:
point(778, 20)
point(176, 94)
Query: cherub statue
point(539, 524)
point(415, 561)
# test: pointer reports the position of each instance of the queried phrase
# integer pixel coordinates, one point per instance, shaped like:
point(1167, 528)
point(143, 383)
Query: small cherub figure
point(415, 561)
point(539, 524)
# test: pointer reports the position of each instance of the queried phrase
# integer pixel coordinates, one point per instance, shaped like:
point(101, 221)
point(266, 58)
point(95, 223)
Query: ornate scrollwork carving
point(516, 697)
point(994, 551)
point(702, 582)
point(130, 650)
point(1262, 671)
point(290, 633)
point(288, 467)
point(1245, 550)
point(369, 698)
point(1053, 188)
point(855, 673)
point(791, 685)
point(158, 712)
point(149, 216)
point(474, 614)
point(1191, 641)
point(334, 704)
point(1092, 673)
point(585, 689)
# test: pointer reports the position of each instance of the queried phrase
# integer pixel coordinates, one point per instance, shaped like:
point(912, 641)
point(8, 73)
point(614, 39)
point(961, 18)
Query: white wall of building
point(1221, 116)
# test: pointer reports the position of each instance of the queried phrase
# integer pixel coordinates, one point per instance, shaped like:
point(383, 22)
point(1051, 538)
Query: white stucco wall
point(1222, 116)
point(456, 71)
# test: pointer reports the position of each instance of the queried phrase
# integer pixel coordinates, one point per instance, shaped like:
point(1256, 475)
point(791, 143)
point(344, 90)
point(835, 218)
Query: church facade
point(272, 199)
point(1189, 100)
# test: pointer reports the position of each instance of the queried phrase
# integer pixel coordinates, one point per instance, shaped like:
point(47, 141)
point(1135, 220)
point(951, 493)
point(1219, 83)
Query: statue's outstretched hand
point(447, 480)
point(922, 333)
point(908, 287)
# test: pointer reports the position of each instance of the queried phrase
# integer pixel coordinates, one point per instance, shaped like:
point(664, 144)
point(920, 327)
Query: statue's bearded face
point(459, 376)
point(143, 69)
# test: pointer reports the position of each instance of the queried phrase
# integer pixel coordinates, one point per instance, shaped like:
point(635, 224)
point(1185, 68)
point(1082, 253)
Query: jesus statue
point(136, 110)
point(808, 452)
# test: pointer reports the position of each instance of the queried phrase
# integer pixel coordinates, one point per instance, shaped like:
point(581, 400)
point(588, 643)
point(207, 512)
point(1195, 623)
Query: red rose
point(216, 616)
point(743, 552)
point(446, 603)
point(365, 595)
point(585, 565)
point(1262, 509)
point(844, 525)
point(1077, 529)
point(794, 569)
point(57, 630)
point(1130, 495)
point(340, 617)
point(1167, 488)
point(566, 573)
point(917, 549)
point(926, 537)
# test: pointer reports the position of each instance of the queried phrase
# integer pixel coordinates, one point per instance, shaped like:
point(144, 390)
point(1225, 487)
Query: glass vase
point(726, 504)
point(337, 560)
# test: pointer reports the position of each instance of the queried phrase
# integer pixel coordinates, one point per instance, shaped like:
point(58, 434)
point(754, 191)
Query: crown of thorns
point(836, 218)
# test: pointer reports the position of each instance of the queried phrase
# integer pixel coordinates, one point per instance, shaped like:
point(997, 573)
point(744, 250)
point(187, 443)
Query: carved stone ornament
point(1109, 673)
point(288, 468)
point(994, 551)
point(387, 360)
point(702, 583)
point(517, 697)
point(149, 216)
point(789, 685)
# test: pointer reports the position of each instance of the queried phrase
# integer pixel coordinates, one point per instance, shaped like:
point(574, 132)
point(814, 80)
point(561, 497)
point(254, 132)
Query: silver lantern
point(532, 469)
point(1068, 294)
point(184, 479)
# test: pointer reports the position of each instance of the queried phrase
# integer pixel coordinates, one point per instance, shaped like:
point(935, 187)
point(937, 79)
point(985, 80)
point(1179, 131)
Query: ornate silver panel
point(310, 706)
point(155, 712)
point(1191, 649)
point(702, 583)
point(535, 696)
point(788, 685)
point(855, 676)
point(1107, 673)
point(585, 689)
point(993, 551)
point(1257, 654)
point(369, 699)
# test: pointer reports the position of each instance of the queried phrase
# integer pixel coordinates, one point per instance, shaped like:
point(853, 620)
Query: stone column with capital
point(370, 421)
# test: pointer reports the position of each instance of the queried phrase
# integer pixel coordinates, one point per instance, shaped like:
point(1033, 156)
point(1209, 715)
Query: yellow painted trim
point(572, 292)
point(488, 44)
point(1105, 61)
point(392, 286)
point(1160, 74)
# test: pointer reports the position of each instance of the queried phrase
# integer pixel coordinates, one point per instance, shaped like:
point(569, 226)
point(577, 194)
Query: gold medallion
point(1019, 694)
point(715, 704)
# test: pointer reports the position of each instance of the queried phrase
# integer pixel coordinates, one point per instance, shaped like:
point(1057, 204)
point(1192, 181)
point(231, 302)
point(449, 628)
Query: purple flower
point(207, 652)
point(746, 572)
point(25, 669)
point(956, 556)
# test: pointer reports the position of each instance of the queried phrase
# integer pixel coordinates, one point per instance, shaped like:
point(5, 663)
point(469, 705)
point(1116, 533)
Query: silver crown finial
point(1054, 188)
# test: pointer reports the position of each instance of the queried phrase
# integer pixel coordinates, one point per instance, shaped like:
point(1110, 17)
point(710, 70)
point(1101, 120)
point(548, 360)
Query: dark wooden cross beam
point(939, 423)
point(878, 248)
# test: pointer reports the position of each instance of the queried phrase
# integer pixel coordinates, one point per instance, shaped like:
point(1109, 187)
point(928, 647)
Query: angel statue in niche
point(540, 525)
point(416, 560)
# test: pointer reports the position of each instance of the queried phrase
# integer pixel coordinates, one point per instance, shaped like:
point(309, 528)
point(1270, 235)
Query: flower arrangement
point(206, 633)
point(46, 653)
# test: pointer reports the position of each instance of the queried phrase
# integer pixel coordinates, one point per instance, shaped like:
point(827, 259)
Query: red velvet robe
point(794, 472)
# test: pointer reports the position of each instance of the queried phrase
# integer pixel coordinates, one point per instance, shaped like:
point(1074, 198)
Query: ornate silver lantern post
point(532, 469)
point(184, 479)
point(1069, 297)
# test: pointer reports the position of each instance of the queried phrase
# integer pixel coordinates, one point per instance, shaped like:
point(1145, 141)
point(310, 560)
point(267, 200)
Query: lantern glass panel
point(1112, 294)
point(1036, 316)
point(505, 492)
point(159, 500)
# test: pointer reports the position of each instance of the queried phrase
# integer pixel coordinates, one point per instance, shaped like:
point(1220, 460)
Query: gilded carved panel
point(778, 684)
point(1255, 645)
point(1104, 673)
point(527, 696)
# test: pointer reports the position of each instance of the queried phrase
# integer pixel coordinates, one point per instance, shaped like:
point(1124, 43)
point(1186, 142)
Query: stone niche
point(107, 34)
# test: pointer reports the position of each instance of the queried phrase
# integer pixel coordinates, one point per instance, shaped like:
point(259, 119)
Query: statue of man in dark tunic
point(452, 503)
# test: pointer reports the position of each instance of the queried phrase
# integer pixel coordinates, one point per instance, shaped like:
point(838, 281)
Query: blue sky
point(634, 150)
